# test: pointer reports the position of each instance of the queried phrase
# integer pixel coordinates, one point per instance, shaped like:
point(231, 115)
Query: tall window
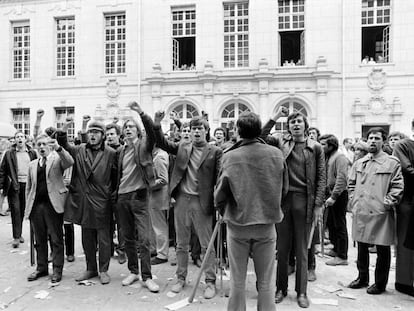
point(61, 114)
point(291, 22)
point(183, 38)
point(21, 119)
point(65, 46)
point(293, 106)
point(236, 34)
point(376, 22)
point(232, 112)
point(115, 41)
point(21, 50)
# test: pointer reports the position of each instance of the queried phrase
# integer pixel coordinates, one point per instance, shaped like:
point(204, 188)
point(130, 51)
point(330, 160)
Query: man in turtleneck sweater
point(13, 170)
point(192, 184)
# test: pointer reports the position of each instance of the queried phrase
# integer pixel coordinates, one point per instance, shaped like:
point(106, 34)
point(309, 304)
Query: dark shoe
point(36, 274)
point(311, 276)
point(121, 257)
point(86, 276)
point(56, 278)
point(153, 254)
point(358, 283)
point(303, 301)
point(198, 262)
point(16, 243)
point(331, 253)
point(21, 240)
point(157, 261)
point(405, 289)
point(70, 258)
point(291, 269)
point(279, 296)
point(375, 290)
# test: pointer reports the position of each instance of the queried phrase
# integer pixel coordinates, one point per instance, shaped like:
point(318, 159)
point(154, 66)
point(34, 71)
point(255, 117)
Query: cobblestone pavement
point(18, 294)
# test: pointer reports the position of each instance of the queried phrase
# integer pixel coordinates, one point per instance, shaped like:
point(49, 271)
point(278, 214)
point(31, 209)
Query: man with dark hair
point(375, 188)
point(314, 133)
point(303, 204)
point(337, 199)
point(192, 183)
point(89, 200)
point(220, 136)
point(249, 191)
point(113, 135)
point(404, 266)
point(13, 176)
point(135, 178)
point(45, 197)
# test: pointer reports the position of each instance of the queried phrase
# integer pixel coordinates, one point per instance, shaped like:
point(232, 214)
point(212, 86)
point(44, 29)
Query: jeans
point(260, 240)
point(134, 216)
point(17, 204)
point(188, 211)
point(46, 222)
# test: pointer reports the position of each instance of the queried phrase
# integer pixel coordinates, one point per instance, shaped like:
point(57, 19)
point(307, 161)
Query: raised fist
point(115, 120)
point(86, 118)
point(69, 119)
point(135, 106)
point(40, 113)
point(159, 115)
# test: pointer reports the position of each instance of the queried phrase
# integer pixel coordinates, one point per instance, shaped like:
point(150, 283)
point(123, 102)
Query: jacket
point(337, 174)
point(159, 196)
point(207, 172)
point(375, 187)
point(314, 166)
point(56, 164)
point(8, 169)
point(92, 185)
point(252, 181)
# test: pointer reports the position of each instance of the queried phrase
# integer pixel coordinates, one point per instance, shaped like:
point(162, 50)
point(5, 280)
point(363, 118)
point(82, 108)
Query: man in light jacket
point(375, 188)
point(249, 190)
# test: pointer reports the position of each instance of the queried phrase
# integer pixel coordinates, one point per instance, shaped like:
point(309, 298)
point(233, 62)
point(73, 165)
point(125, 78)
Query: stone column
point(263, 77)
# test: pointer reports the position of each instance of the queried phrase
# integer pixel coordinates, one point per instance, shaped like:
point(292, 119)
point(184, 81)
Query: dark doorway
point(367, 127)
point(290, 46)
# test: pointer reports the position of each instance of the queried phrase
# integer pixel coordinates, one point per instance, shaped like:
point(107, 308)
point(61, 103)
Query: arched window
point(292, 106)
point(231, 113)
point(185, 112)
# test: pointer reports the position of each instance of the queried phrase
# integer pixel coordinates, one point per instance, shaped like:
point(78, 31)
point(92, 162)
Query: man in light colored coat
point(375, 188)
point(45, 200)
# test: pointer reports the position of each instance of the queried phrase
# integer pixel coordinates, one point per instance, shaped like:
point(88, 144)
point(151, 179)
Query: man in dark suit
point(45, 200)
point(192, 185)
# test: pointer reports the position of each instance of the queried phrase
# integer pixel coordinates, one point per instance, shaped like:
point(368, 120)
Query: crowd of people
point(275, 192)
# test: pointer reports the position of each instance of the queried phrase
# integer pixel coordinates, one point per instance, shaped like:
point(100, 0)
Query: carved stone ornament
point(377, 79)
point(113, 89)
point(377, 105)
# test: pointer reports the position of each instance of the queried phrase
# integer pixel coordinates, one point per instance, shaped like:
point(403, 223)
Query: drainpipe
point(343, 117)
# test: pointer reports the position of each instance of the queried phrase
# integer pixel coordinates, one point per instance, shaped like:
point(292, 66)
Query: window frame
point(60, 120)
point(67, 46)
point(281, 125)
point(25, 70)
point(21, 124)
point(117, 68)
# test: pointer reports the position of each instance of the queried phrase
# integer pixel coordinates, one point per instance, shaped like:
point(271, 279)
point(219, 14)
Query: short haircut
point(249, 125)
point(113, 126)
point(397, 133)
point(378, 129)
point(199, 121)
point(318, 133)
point(19, 132)
point(42, 136)
point(220, 129)
point(331, 140)
point(136, 125)
point(296, 114)
point(361, 145)
point(346, 140)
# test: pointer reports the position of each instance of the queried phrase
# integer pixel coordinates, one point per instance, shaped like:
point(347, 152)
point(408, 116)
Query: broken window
point(376, 21)
point(183, 38)
point(236, 34)
point(291, 22)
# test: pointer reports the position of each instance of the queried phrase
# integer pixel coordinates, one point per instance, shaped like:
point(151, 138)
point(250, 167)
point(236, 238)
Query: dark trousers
point(404, 265)
point(17, 203)
point(92, 240)
point(69, 239)
point(382, 267)
point(195, 247)
point(46, 222)
point(134, 216)
point(336, 223)
point(293, 224)
point(120, 248)
point(311, 253)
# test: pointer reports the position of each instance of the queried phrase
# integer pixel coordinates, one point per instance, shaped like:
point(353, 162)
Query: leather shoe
point(311, 276)
point(86, 276)
point(70, 258)
point(157, 261)
point(16, 243)
point(303, 301)
point(56, 278)
point(405, 289)
point(121, 257)
point(36, 274)
point(279, 296)
point(374, 289)
point(358, 283)
point(105, 278)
